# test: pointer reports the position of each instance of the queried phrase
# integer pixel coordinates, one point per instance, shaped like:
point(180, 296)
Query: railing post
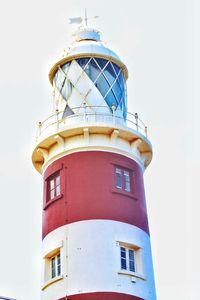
point(57, 119)
point(113, 112)
point(84, 106)
point(145, 130)
point(39, 129)
point(136, 121)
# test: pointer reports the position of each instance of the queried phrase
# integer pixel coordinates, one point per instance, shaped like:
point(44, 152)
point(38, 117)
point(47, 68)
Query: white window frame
point(138, 261)
point(56, 268)
point(55, 252)
point(127, 259)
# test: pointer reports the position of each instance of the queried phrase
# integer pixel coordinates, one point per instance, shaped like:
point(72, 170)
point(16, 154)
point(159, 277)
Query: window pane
point(58, 190)
point(123, 252)
point(51, 194)
point(127, 181)
point(51, 184)
point(102, 85)
point(111, 100)
point(101, 62)
point(117, 90)
point(117, 69)
point(82, 61)
point(57, 180)
point(123, 258)
point(123, 264)
point(118, 179)
point(58, 265)
point(65, 67)
point(131, 260)
point(66, 89)
point(60, 79)
point(110, 75)
point(53, 267)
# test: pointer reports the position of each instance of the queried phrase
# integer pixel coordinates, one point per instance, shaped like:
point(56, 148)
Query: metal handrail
point(85, 114)
point(6, 298)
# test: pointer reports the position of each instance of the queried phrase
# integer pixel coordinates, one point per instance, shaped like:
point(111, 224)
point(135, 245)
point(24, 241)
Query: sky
point(158, 40)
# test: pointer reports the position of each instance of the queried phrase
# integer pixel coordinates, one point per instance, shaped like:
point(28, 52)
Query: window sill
point(124, 193)
point(132, 274)
point(49, 202)
point(51, 281)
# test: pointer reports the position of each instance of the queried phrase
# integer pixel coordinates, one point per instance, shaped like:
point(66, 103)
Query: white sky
point(159, 42)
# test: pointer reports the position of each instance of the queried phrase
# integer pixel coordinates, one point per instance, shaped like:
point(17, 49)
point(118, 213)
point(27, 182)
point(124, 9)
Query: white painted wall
point(91, 259)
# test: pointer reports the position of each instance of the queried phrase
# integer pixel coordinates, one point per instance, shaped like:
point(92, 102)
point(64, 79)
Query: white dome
point(87, 43)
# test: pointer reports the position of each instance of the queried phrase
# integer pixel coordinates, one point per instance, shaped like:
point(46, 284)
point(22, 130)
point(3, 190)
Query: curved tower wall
point(96, 242)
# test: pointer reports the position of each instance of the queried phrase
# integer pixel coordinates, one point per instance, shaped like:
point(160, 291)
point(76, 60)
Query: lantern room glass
point(106, 76)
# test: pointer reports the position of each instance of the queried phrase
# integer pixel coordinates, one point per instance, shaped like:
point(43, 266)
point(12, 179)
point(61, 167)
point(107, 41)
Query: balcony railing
point(89, 115)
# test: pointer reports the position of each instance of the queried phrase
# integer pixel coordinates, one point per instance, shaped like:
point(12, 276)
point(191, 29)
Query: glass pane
point(58, 265)
point(57, 190)
point(110, 75)
point(131, 254)
point(123, 264)
point(53, 267)
point(66, 90)
point(92, 70)
point(59, 270)
point(55, 77)
point(120, 79)
point(58, 180)
point(117, 90)
point(123, 252)
point(60, 80)
point(117, 69)
point(127, 181)
point(102, 85)
point(101, 62)
point(82, 61)
point(65, 67)
point(67, 112)
point(131, 266)
point(111, 100)
point(58, 259)
point(131, 260)
point(118, 182)
point(51, 184)
point(51, 194)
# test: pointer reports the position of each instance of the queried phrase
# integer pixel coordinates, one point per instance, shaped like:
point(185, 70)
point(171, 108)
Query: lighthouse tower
point(92, 154)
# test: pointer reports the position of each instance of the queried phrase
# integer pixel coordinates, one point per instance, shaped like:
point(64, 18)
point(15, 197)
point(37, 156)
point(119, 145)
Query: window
point(54, 186)
point(122, 179)
point(55, 266)
point(52, 268)
point(127, 259)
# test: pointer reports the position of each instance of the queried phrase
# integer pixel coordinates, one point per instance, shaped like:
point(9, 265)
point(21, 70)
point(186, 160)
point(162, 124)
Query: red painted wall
point(102, 296)
point(88, 191)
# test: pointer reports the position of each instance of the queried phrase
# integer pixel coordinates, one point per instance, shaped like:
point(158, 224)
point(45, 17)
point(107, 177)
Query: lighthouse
point(92, 153)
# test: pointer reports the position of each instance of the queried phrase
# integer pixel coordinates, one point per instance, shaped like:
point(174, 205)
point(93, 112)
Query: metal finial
point(86, 18)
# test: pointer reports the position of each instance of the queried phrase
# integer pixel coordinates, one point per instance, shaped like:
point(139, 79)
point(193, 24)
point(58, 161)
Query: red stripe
point(101, 296)
point(88, 188)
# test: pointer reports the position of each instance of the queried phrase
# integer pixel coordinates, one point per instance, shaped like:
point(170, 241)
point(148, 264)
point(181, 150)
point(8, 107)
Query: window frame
point(53, 180)
point(123, 179)
point(56, 253)
point(55, 269)
point(137, 272)
point(127, 259)
point(52, 175)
